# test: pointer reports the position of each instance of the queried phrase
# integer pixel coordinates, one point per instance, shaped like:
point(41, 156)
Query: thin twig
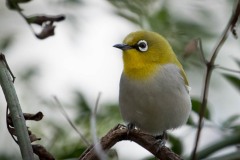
point(210, 66)
point(70, 122)
point(9, 70)
point(96, 104)
point(201, 51)
point(25, 18)
point(227, 69)
point(98, 148)
point(44, 21)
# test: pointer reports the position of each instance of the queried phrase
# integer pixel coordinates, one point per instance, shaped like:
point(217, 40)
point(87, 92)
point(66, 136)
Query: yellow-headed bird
point(154, 92)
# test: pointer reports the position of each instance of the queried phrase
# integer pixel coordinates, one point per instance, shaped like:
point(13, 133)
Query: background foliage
point(180, 28)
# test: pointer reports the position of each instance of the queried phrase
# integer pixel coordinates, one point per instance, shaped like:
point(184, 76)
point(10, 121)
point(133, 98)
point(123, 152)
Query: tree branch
point(227, 69)
point(210, 66)
point(60, 106)
point(119, 133)
point(44, 21)
point(15, 110)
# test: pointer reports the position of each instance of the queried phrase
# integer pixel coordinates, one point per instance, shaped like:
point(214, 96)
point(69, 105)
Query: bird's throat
point(138, 72)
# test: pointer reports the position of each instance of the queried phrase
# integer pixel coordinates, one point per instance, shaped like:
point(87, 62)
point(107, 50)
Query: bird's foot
point(161, 140)
point(130, 127)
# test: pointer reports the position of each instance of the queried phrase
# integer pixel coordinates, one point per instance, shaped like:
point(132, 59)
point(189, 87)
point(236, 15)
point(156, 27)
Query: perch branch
point(119, 133)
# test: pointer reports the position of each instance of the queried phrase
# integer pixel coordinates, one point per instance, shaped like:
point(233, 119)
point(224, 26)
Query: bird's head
point(143, 52)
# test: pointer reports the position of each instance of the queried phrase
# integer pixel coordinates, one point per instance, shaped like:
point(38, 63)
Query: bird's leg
point(161, 140)
point(162, 136)
point(130, 127)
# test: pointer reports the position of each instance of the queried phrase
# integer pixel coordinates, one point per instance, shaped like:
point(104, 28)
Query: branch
point(42, 153)
point(201, 51)
point(70, 122)
point(98, 149)
point(119, 133)
point(44, 21)
point(39, 150)
point(210, 66)
point(227, 69)
point(15, 110)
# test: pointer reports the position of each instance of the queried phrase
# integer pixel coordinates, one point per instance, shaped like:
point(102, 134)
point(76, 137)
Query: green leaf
point(13, 5)
point(229, 156)
point(82, 103)
point(237, 61)
point(22, 1)
point(177, 145)
point(71, 151)
point(108, 116)
point(236, 128)
point(7, 156)
point(196, 106)
point(150, 158)
point(29, 73)
point(233, 80)
point(219, 145)
point(130, 18)
point(160, 20)
point(83, 109)
point(112, 154)
point(230, 121)
point(191, 122)
point(5, 42)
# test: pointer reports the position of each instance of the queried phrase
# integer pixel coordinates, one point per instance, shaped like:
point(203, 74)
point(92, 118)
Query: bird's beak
point(122, 46)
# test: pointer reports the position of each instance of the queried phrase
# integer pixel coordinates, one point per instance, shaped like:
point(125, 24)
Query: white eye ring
point(142, 45)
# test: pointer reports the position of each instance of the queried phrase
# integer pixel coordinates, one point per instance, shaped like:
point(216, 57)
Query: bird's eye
point(142, 45)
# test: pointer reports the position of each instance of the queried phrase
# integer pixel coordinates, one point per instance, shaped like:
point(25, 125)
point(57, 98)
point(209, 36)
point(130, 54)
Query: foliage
point(179, 31)
point(152, 15)
point(106, 118)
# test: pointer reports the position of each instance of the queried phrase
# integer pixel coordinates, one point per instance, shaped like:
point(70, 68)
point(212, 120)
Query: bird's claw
point(130, 127)
point(161, 140)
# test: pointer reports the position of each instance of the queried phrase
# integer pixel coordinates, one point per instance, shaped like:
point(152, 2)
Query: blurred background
point(79, 61)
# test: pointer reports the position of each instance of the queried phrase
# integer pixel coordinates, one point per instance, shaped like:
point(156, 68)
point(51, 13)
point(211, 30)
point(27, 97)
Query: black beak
point(122, 46)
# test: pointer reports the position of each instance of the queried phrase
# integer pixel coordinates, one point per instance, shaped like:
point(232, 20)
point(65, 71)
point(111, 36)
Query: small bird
point(154, 91)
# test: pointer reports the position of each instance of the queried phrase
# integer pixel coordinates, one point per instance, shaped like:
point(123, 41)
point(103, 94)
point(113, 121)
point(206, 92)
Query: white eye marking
point(142, 45)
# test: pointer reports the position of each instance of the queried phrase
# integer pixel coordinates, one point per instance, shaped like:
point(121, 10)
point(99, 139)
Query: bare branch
point(98, 148)
point(45, 21)
point(201, 51)
point(119, 133)
point(42, 153)
point(70, 122)
point(15, 110)
point(227, 69)
point(9, 70)
point(210, 66)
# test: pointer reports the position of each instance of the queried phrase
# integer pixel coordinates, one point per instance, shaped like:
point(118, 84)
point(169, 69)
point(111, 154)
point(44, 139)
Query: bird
point(153, 90)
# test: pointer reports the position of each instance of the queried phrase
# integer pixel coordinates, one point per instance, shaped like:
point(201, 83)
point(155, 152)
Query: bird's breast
point(156, 103)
